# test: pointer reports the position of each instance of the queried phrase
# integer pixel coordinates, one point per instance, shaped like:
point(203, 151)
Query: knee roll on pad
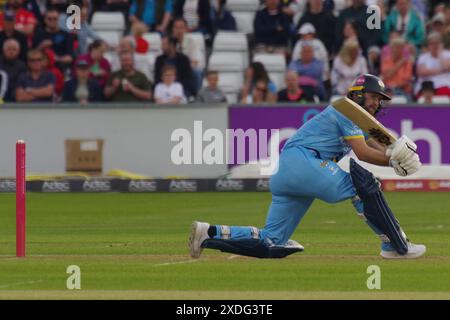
point(249, 247)
point(376, 209)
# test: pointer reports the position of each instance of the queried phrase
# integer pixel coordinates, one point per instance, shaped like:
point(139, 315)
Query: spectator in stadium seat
point(51, 36)
point(272, 29)
point(9, 32)
point(438, 23)
point(259, 94)
point(323, 21)
point(295, 93)
point(25, 21)
point(348, 33)
point(188, 46)
point(156, 14)
point(427, 92)
point(37, 8)
point(82, 88)
point(99, 67)
point(434, 65)
point(182, 64)
point(169, 91)
point(36, 85)
point(49, 65)
point(254, 73)
point(309, 69)
point(128, 84)
point(197, 14)
point(128, 44)
point(83, 34)
point(138, 29)
point(222, 19)
point(357, 13)
point(404, 19)
point(211, 93)
point(307, 36)
point(409, 50)
point(397, 70)
point(13, 66)
point(347, 65)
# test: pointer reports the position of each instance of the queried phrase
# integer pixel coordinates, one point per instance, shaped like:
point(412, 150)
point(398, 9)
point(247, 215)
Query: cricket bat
point(363, 119)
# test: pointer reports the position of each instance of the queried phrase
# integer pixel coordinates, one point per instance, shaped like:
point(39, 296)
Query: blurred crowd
point(326, 44)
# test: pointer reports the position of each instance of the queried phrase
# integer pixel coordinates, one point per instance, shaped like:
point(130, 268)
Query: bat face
point(363, 119)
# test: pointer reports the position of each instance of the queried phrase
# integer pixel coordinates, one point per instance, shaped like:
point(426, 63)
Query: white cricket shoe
point(294, 245)
point(199, 233)
point(414, 251)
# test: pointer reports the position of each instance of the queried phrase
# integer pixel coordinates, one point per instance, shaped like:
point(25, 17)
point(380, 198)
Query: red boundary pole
point(20, 198)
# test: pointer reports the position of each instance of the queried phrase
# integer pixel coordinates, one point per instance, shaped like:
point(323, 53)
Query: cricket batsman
point(308, 170)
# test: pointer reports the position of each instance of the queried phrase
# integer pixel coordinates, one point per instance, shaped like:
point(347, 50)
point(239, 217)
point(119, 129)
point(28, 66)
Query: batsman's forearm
point(375, 156)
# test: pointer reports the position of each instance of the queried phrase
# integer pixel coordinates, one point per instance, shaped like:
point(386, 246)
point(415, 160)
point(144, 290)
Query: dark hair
point(179, 19)
point(168, 67)
point(211, 72)
point(51, 8)
point(35, 51)
point(95, 45)
point(259, 72)
point(427, 85)
point(171, 40)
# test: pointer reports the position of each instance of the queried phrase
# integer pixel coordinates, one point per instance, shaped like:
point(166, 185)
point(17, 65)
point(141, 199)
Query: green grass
point(135, 246)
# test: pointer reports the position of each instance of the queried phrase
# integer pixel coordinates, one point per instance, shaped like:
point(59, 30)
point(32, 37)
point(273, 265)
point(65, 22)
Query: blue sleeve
point(348, 128)
point(169, 6)
point(132, 11)
point(272, 87)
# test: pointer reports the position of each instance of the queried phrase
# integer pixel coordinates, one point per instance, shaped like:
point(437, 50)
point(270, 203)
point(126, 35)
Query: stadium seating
point(232, 42)
point(145, 63)
point(226, 62)
point(155, 42)
point(398, 99)
point(199, 41)
point(243, 5)
point(108, 21)
point(436, 100)
point(243, 12)
point(109, 26)
point(112, 38)
point(244, 21)
point(440, 100)
point(335, 97)
point(230, 66)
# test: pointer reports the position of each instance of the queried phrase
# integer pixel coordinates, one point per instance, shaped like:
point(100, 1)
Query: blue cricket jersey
point(327, 134)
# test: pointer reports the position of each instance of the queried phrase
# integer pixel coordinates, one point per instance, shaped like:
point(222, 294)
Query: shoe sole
point(193, 243)
point(406, 256)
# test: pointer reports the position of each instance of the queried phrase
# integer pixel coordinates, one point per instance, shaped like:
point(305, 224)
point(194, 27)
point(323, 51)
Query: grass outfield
point(134, 246)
